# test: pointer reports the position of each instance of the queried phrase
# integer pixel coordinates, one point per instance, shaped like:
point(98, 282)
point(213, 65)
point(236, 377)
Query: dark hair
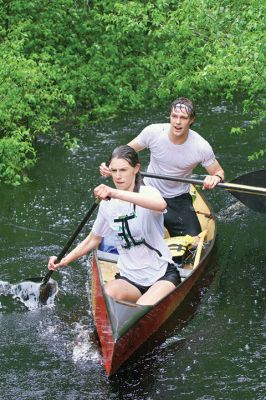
point(127, 153)
point(183, 102)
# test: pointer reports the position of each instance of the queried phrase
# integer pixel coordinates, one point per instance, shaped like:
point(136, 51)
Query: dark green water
point(51, 353)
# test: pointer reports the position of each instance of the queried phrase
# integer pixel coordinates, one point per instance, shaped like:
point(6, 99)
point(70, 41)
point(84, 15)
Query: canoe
point(122, 327)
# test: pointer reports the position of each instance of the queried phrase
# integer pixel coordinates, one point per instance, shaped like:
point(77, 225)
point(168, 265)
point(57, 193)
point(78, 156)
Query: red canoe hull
point(116, 351)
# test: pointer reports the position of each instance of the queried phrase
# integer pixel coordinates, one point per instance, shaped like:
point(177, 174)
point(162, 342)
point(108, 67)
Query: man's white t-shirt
point(177, 160)
point(139, 263)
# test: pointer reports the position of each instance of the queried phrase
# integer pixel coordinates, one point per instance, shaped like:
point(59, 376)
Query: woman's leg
point(156, 292)
point(120, 289)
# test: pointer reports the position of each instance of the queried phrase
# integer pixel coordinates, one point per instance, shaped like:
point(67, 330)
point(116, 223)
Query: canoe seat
point(109, 257)
point(107, 263)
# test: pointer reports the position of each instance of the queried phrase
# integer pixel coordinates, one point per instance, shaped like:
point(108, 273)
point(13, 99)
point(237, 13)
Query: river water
point(218, 352)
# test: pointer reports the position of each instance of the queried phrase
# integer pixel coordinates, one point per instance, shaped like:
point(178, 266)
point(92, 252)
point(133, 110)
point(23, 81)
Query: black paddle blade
point(253, 200)
point(46, 292)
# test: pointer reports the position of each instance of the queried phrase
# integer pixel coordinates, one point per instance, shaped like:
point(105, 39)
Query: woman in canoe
point(133, 214)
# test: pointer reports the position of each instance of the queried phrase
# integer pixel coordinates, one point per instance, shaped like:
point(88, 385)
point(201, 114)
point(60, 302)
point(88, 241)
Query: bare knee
point(156, 292)
point(112, 291)
point(122, 290)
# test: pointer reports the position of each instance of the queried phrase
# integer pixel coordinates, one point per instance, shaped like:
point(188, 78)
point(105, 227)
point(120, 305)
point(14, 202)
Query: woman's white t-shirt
point(139, 263)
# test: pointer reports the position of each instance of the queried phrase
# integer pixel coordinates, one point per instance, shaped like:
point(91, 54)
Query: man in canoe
point(176, 150)
point(133, 214)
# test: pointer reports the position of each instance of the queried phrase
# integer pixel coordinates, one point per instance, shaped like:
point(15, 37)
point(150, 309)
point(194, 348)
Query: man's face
point(180, 122)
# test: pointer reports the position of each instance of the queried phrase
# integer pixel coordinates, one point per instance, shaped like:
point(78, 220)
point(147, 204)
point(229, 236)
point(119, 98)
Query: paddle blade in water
point(253, 200)
point(29, 293)
point(47, 292)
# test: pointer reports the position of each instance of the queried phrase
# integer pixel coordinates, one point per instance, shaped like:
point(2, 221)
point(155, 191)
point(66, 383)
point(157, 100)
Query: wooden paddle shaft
point(230, 186)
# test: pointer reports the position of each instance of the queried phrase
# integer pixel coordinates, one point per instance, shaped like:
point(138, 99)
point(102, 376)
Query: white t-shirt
point(177, 160)
point(138, 263)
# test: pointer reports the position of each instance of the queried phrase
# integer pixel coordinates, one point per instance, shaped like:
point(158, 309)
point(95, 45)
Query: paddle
point(46, 289)
point(249, 188)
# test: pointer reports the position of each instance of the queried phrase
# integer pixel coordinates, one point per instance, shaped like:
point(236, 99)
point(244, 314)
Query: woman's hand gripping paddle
point(47, 289)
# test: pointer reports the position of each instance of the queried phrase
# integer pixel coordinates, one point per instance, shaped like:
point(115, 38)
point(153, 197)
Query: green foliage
point(238, 131)
point(16, 155)
point(30, 96)
point(257, 154)
point(70, 143)
point(92, 59)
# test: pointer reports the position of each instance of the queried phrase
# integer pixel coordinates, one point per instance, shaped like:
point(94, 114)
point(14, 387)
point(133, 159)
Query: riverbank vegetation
point(90, 59)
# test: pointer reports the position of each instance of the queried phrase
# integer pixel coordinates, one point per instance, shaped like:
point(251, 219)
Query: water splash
point(83, 349)
point(28, 293)
point(233, 211)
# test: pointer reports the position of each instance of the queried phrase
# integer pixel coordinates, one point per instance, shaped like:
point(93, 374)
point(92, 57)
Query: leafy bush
point(95, 59)
point(16, 155)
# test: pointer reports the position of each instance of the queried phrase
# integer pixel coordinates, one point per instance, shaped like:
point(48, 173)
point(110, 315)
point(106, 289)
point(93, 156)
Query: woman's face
point(123, 174)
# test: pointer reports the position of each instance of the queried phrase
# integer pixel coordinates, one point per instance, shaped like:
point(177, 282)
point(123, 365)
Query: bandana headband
point(188, 109)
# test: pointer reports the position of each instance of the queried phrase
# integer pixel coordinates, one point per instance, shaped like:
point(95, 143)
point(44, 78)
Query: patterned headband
point(189, 109)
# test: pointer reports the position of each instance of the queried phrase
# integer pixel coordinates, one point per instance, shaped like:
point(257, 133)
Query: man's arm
point(135, 145)
point(216, 175)
point(104, 170)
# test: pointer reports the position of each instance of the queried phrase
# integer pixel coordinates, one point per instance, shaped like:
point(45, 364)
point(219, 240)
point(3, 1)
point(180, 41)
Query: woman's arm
point(89, 243)
point(153, 201)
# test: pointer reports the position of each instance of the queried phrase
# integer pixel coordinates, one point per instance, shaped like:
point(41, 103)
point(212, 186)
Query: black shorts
point(181, 218)
point(171, 275)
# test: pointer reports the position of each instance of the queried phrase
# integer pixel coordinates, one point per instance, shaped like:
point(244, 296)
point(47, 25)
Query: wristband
point(219, 176)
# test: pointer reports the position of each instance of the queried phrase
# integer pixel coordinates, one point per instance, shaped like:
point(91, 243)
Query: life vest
point(178, 245)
